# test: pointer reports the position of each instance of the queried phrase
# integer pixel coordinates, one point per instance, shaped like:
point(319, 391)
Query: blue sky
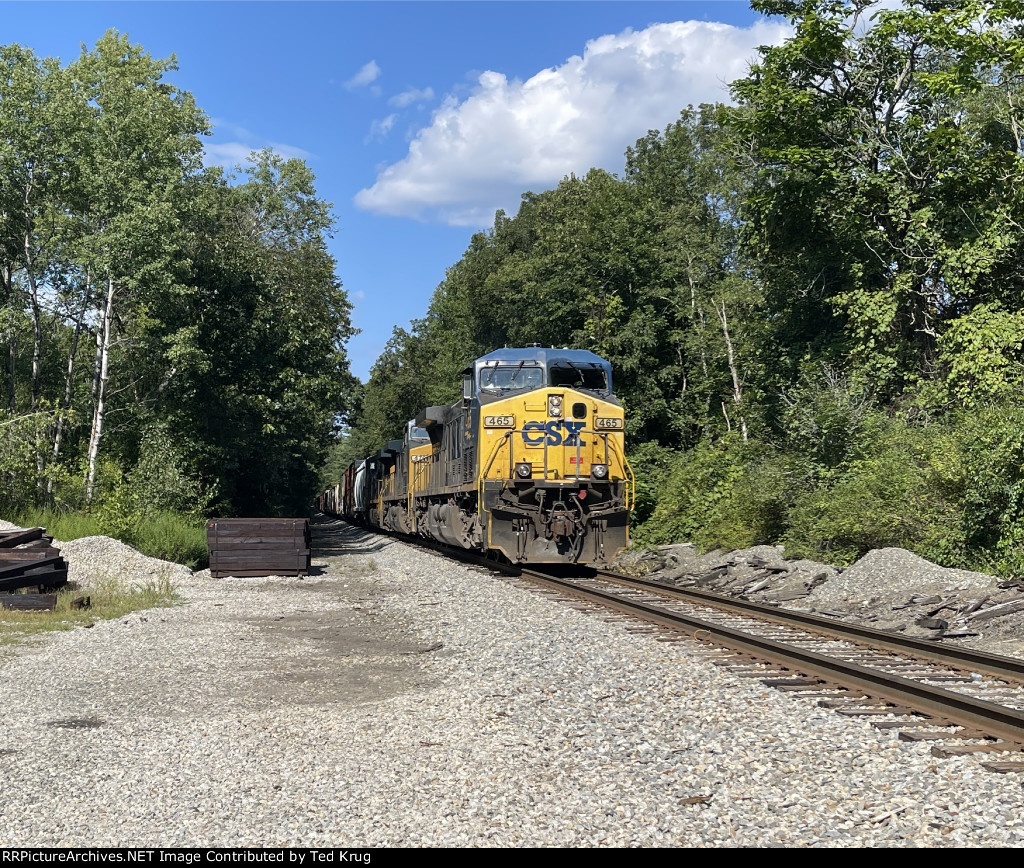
point(419, 119)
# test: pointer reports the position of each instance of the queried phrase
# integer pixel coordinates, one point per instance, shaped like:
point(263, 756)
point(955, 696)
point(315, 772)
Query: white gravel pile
point(401, 700)
point(94, 561)
point(892, 575)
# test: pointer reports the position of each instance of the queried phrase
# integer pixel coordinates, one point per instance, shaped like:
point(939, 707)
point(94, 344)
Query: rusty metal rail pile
point(28, 559)
point(965, 701)
point(258, 546)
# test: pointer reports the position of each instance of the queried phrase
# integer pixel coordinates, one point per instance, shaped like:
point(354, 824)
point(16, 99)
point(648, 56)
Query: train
point(529, 465)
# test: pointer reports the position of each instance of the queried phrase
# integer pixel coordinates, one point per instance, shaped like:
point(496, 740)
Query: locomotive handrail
point(483, 476)
point(630, 482)
point(630, 477)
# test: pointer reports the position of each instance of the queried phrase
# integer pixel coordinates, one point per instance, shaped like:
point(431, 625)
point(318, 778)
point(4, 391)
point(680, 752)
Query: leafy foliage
point(812, 301)
point(174, 338)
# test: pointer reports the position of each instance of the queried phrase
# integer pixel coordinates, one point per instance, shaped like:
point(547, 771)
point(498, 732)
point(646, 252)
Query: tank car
point(529, 463)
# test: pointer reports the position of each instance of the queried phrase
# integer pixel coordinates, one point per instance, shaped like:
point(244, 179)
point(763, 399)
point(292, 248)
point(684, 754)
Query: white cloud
point(367, 74)
point(289, 151)
point(235, 153)
point(226, 154)
point(231, 154)
point(408, 97)
point(379, 129)
point(480, 153)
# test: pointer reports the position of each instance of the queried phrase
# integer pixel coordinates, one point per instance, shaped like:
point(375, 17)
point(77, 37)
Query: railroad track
point(962, 700)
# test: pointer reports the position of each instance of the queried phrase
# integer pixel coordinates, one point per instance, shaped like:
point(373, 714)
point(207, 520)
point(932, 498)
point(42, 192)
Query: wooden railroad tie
point(28, 560)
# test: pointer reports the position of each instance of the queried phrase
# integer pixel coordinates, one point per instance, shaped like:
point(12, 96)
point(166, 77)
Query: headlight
point(524, 470)
point(599, 471)
point(554, 405)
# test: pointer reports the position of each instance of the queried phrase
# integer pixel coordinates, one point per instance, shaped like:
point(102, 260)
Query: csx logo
point(535, 433)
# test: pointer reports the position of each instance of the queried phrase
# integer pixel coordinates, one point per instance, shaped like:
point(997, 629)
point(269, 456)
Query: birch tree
point(43, 119)
point(144, 146)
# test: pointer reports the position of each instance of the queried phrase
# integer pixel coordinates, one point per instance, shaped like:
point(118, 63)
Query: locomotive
point(530, 464)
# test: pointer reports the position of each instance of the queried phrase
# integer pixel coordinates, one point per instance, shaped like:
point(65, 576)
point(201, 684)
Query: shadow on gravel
point(332, 536)
point(320, 655)
point(77, 723)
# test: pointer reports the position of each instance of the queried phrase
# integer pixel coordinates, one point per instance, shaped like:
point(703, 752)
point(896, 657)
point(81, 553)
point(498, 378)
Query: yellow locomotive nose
point(530, 463)
point(557, 438)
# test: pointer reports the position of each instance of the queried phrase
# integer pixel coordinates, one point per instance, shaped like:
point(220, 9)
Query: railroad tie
point(944, 751)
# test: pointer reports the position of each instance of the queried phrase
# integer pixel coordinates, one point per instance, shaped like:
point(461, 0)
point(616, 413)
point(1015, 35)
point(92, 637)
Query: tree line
point(812, 298)
point(173, 336)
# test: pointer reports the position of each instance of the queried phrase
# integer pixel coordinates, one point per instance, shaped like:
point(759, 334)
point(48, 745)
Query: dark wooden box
point(258, 546)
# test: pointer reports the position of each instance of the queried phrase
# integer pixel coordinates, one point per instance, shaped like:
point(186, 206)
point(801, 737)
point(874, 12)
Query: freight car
point(530, 463)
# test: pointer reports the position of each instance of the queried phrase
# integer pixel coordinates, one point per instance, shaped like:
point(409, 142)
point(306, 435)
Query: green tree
point(255, 347)
point(144, 145)
point(887, 202)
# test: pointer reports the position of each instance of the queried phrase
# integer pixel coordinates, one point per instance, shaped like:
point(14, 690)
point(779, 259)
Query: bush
point(889, 496)
point(952, 492)
point(728, 494)
point(22, 440)
point(652, 464)
point(157, 507)
point(980, 461)
point(824, 415)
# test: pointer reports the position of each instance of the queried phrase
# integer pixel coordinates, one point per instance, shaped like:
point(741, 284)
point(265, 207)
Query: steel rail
point(976, 714)
point(996, 665)
point(945, 706)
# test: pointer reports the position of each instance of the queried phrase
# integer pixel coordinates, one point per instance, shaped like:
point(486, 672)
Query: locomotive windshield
point(506, 377)
point(593, 379)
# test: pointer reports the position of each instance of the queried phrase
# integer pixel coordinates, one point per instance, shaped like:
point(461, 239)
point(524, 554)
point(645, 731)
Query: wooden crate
point(258, 546)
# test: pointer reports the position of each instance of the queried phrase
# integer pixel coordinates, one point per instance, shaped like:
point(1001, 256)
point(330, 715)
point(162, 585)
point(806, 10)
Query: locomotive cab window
point(591, 379)
point(503, 378)
point(416, 433)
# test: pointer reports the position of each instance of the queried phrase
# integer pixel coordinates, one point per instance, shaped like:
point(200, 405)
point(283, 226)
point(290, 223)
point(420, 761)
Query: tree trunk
point(697, 317)
point(100, 384)
point(12, 353)
point(37, 356)
point(37, 341)
point(69, 383)
point(37, 314)
point(12, 363)
point(737, 388)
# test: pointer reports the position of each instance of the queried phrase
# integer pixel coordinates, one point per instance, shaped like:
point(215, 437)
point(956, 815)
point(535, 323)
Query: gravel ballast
point(398, 699)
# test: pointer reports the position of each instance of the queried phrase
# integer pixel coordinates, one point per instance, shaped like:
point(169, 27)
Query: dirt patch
point(355, 654)
point(237, 645)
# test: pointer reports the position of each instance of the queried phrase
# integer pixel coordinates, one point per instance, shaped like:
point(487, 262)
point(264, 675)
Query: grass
point(61, 525)
point(109, 600)
point(165, 535)
point(172, 537)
